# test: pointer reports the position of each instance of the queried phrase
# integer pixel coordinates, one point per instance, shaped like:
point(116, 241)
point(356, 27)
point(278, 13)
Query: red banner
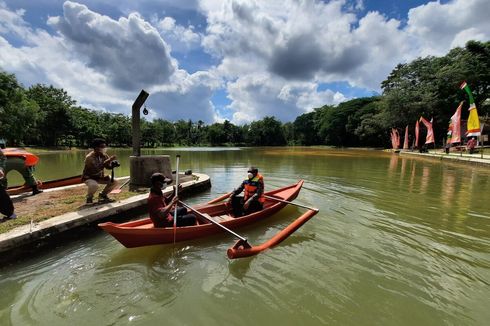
point(405, 141)
point(455, 125)
point(417, 134)
point(430, 133)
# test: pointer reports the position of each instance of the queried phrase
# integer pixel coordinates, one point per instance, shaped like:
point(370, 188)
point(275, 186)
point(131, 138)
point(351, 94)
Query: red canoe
point(46, 185)
point(142, 233)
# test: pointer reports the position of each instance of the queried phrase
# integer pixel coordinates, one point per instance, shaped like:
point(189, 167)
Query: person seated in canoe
point(93, 171)
point(23, 162)
point(160, 207)
point(6, 205)
point(253, 199)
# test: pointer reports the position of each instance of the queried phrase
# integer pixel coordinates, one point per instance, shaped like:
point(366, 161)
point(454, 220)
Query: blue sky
point(233, 59)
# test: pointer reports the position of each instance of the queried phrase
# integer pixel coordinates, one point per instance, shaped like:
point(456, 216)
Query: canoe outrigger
point(213, 218)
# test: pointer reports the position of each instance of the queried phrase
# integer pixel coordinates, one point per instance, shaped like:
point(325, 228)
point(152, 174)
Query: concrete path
point(26, 234)
point(453, 157)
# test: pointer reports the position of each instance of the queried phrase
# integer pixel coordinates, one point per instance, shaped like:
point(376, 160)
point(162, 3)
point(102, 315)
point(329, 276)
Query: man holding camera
point(93, 171)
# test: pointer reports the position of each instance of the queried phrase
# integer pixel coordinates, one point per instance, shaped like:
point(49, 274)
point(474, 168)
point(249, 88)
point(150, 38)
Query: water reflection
point(393, 163)
point(392, 239)
point(424, 179)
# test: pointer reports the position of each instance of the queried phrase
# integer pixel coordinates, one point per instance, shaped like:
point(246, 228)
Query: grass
point(50, 204)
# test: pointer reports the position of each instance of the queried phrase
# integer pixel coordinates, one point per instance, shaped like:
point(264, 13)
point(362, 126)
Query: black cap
point(98, 142)
point(157, 176)
point(253, 169)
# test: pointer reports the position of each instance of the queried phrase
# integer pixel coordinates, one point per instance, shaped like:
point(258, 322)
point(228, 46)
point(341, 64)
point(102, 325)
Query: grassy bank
point(50, 204)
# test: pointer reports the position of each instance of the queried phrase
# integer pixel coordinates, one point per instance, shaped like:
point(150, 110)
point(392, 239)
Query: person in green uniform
point(6, 205)
point(18, 163)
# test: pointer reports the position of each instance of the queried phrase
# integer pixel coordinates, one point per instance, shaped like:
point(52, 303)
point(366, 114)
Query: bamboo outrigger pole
point(242, 248)
point(239, 251)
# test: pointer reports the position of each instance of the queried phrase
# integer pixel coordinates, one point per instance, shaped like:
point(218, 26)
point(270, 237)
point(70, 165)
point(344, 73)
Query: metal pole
point(481, 140)
point(135, 121)
point(176, 195)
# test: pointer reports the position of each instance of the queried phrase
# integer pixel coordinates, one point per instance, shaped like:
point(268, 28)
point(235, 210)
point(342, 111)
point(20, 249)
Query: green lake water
point(397, 241)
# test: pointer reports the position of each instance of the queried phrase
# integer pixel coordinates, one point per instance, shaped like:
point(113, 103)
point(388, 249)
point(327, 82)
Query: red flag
point(417, 134)
point(430, 133)
point(456, 125)
point(393, 138)
point(405, 141)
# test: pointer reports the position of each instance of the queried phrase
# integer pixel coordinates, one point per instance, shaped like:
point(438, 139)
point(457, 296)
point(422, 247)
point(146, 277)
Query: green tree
point(165, 131)
point(86, 125)
point(305, 131)
point(216, 134)
point(429, 87)
point(266, 132)
point(182, 132)
point(119, 129)
point(18, 115)
point(54, 104)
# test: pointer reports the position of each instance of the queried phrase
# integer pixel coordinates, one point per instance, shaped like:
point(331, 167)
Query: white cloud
point(271, 55)
point(130, 51)
point(180, 38)
point(260, 95)
point(51, 60)
point(12, 22)
point(438, 27)
point(187, 96)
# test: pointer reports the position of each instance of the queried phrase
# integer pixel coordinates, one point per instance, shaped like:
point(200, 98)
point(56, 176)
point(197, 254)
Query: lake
point(397, 241)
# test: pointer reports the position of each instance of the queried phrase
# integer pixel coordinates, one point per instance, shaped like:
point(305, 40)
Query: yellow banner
point(473, 126)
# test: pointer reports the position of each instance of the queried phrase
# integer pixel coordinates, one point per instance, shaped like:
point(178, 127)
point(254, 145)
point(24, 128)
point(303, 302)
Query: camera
point(115, 164)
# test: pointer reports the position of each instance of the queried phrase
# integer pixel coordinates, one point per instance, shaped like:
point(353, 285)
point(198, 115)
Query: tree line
point(43, 115)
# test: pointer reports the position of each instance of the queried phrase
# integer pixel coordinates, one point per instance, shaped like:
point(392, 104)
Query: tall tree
point(18, 114)
point(305, 131)
point(54, 104)
point(266, 132)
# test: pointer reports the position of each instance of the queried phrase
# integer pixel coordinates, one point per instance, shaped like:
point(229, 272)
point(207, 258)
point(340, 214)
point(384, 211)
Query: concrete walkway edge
point(25, 234)
point(465, 158)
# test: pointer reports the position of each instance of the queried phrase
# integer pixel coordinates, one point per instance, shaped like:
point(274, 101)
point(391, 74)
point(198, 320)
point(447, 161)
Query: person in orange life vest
point(253, 199)
point(24, 163)
point(93, 171)
point(6, 205)
point(160, 206)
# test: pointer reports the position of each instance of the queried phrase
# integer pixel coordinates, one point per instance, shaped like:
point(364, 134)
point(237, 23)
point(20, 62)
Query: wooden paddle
point(291, 203)
point(118, 190)
point(217, 200)
point(243, 240)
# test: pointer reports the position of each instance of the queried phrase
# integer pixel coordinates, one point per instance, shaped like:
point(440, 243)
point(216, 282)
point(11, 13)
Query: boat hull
point(46, 185)
point(142, 233)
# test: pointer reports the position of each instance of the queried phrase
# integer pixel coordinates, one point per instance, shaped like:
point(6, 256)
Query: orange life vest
point(30, 159)
point(251, 186)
